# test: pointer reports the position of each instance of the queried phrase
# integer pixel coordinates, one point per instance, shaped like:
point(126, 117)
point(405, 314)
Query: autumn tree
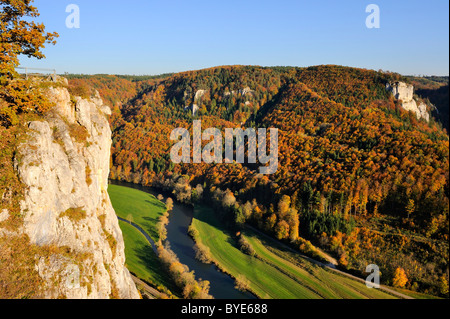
point(228, 199)
point(247, 210)
point(282, 230)
point(19, 36)
point(283, 206)
point(443, 285)
point(293, 221)
point(400, 278)
point(197, 193)
point(246, 247)
point(410, 207)
point(169, 204)
point(182, 190)
point(347, 150)
point(270, 222)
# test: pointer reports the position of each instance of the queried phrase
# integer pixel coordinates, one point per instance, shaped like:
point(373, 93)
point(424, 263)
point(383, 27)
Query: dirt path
point(150, 292)
point(143, 232)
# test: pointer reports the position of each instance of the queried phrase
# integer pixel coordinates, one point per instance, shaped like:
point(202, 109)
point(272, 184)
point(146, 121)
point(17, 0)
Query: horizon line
point(250, 65)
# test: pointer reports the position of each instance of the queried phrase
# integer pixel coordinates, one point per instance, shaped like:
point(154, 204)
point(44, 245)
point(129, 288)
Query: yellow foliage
point(400, 278)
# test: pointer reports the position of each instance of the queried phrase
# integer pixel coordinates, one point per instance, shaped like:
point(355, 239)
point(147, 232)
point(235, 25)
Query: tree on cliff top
point(19, 36)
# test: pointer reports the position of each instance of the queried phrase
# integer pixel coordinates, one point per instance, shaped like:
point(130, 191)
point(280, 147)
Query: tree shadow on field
point(157, 203)
point(148, 229)
point(232, 241)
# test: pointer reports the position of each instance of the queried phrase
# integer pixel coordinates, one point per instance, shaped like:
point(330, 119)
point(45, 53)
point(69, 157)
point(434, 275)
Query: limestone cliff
point(64, 165)
point(405, 93)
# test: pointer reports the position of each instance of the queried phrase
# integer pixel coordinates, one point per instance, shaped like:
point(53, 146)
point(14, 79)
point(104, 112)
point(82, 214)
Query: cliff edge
point(405, 92)
point(64, 166)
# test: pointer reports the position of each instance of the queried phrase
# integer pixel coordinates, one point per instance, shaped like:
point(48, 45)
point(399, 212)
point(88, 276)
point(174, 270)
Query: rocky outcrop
point(199, 94)
point(65, 165)
point(243, 92)
point(194, 107)
point(405, 92)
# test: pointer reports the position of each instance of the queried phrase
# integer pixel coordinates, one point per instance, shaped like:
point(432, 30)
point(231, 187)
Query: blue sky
point(154, 37)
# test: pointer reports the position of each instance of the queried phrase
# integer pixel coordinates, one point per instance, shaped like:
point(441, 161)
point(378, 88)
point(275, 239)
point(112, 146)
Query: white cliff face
point(194, 107)
point(405, 93)
point(401, 91)
point(199, 94)
point(64, 166)
point(243, 92)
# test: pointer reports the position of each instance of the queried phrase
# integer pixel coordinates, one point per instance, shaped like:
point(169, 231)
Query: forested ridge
point(358, 176)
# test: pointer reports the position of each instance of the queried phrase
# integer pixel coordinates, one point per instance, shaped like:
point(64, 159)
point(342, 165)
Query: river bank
point(222, 286)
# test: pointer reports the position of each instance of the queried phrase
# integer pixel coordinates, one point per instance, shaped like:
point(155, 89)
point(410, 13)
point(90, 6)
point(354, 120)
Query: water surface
point(221, 284)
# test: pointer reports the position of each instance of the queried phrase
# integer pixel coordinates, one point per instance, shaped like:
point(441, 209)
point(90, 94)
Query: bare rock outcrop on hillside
point(405, 92)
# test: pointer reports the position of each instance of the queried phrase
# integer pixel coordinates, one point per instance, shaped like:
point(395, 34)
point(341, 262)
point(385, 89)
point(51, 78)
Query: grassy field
point(274, 273)
point(416, 295)
point(144, 210)
point(142, 261)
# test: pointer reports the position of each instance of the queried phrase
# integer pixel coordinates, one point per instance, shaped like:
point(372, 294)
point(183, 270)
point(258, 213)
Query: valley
point(358, 176)
point(278, 151)
point(273, 271)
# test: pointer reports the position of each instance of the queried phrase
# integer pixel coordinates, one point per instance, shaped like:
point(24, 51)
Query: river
point(221, 285)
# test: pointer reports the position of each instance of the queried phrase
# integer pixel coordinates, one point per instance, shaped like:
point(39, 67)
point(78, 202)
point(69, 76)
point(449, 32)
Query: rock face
point(243, 92)
point(199, 94)
point(405, 93)
point(194, 107)
point(65, 166)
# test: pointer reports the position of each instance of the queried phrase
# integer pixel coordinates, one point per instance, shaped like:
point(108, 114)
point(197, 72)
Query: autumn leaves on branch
point(19, 36)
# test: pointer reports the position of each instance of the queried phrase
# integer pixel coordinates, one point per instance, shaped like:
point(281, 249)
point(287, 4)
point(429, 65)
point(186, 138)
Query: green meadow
point(144, 210)
point(273, 272)
point(137, 206)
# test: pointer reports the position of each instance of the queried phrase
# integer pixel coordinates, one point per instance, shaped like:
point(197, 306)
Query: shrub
point(80, 89)
point(19, 96)
point(241, 283)
point(193, 232)
point(246, 247)
point(185, 279)
point(74, 214)
point(202, 253)
point(169, 204)
point(111, 241)
point(78, 133)
point(88, 175)
point(19, 278)
point(400, 278)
